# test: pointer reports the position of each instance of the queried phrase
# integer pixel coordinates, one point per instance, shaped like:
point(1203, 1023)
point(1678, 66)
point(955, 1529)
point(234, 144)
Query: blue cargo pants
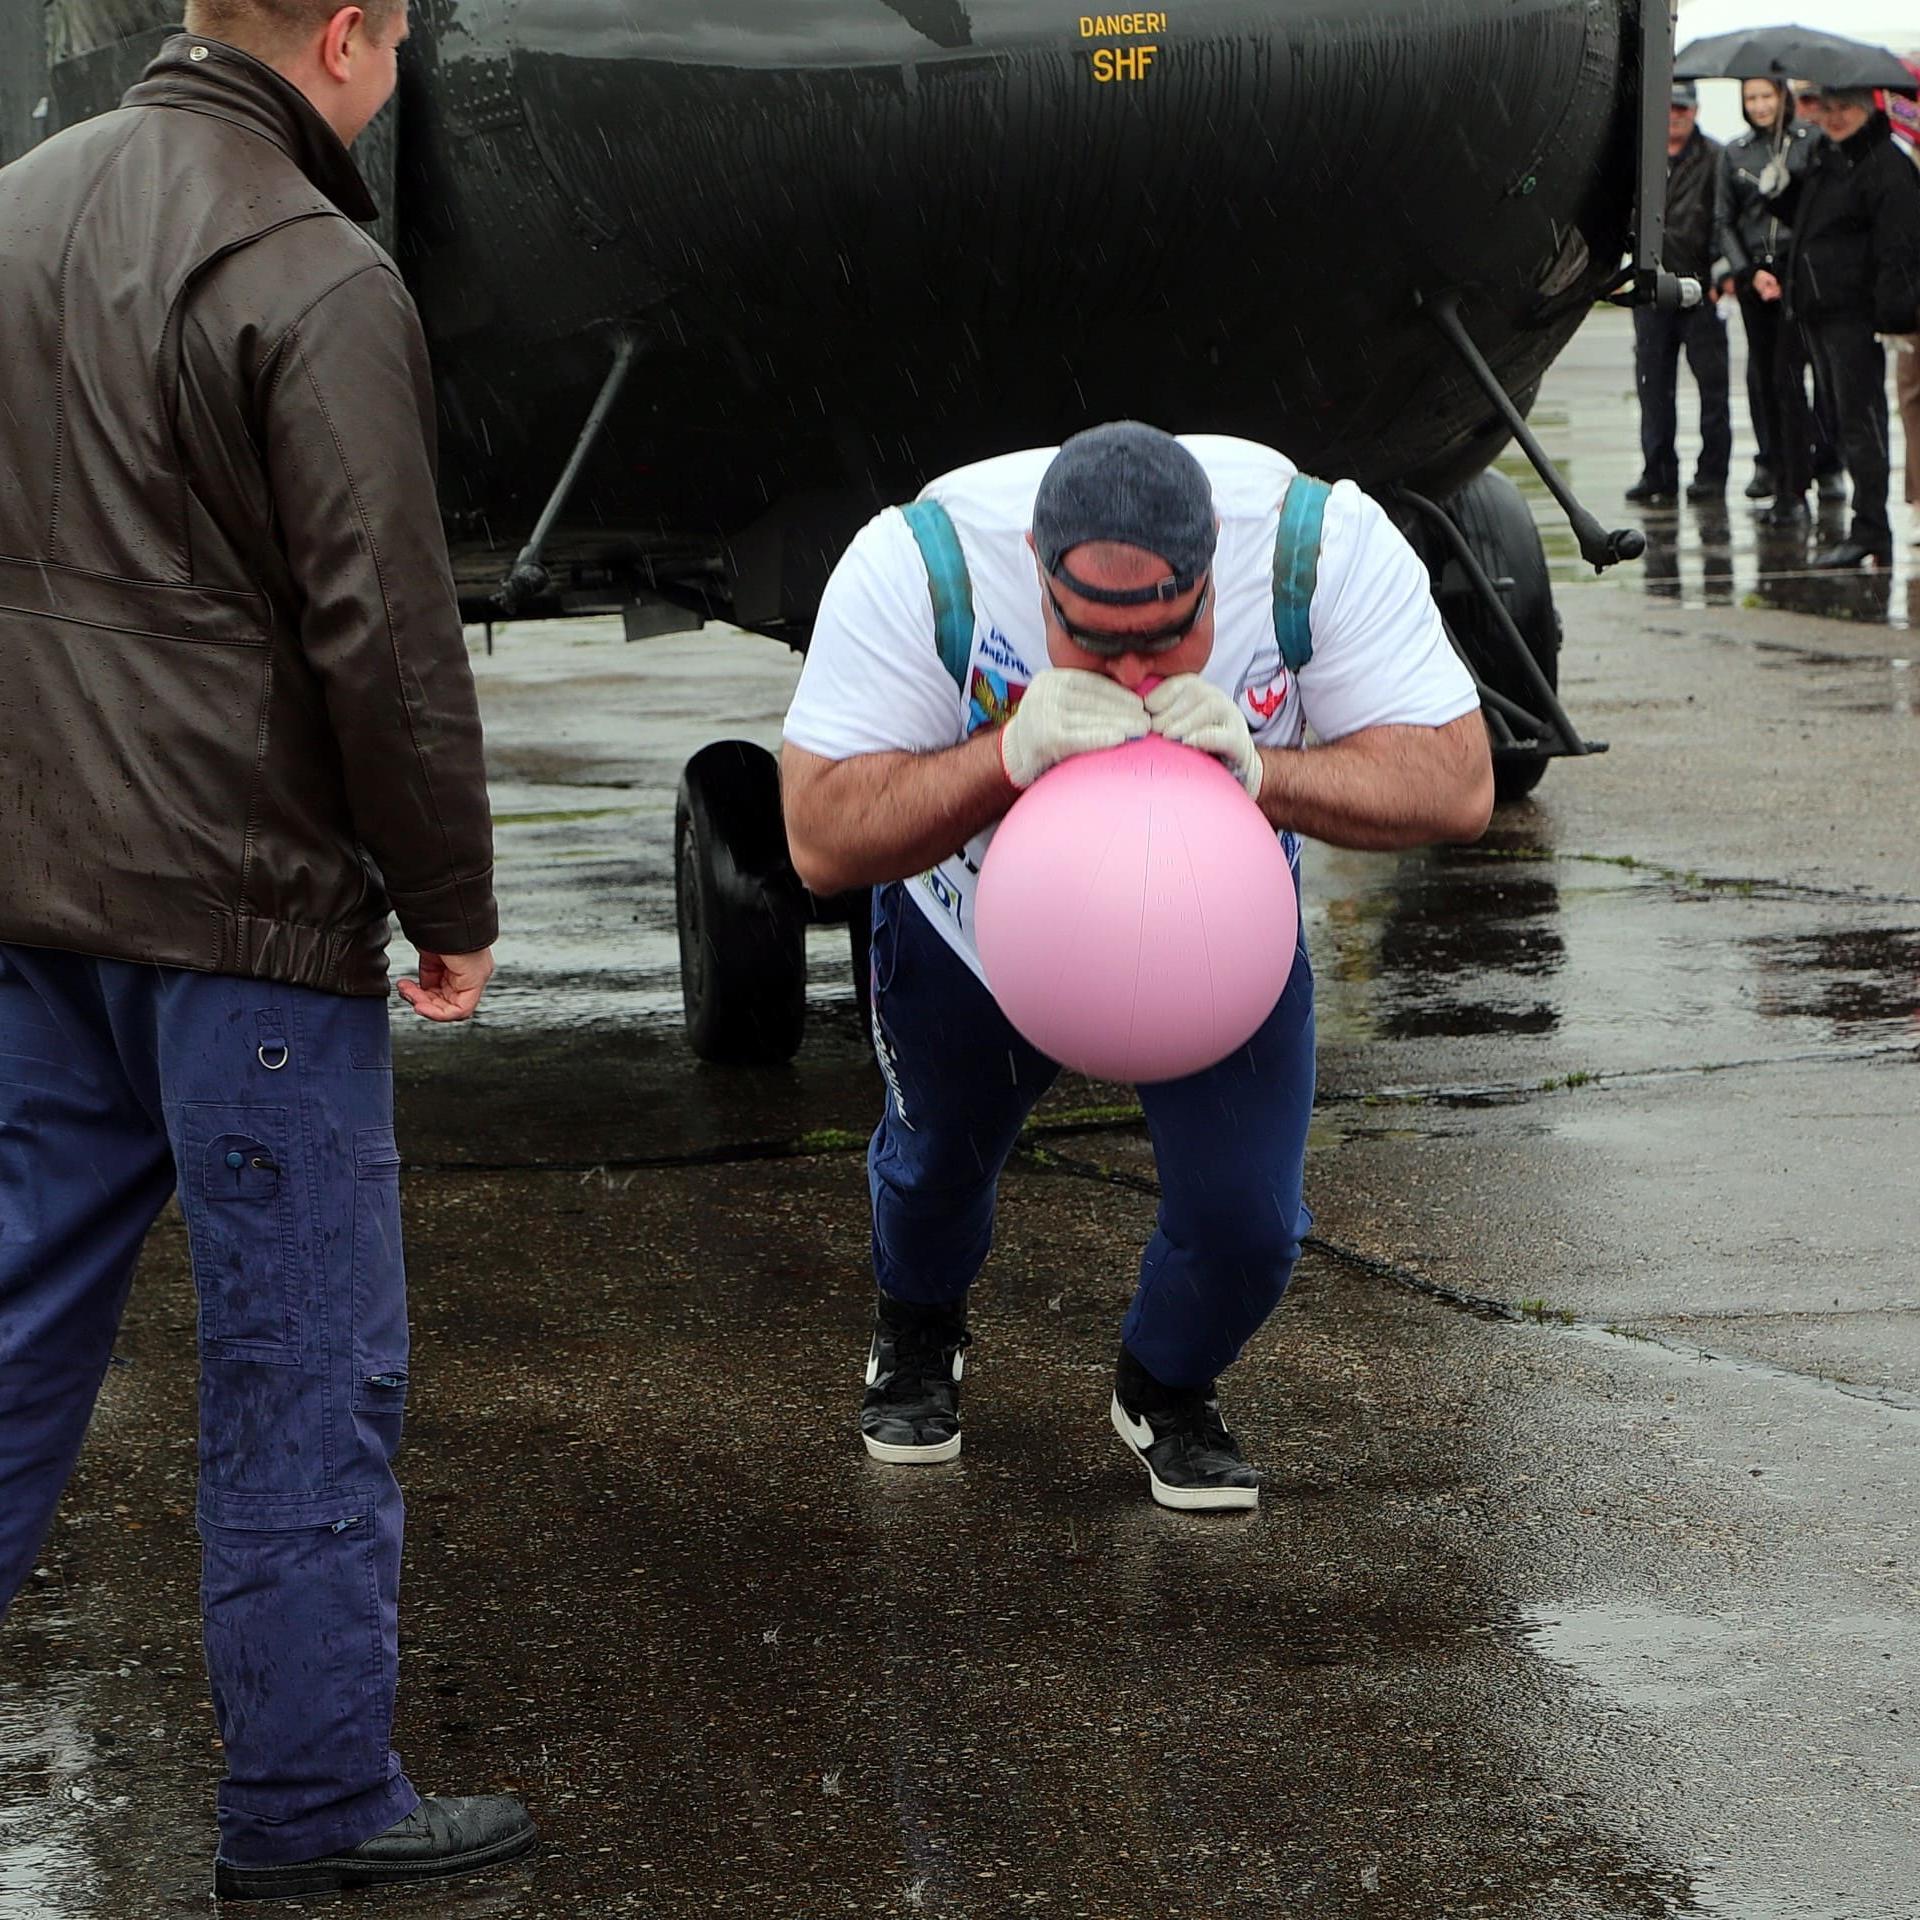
point(1229, 1144)
point(269, 1109)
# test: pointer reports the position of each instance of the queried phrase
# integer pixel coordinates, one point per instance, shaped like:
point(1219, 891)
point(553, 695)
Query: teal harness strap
point(1296, 567)
point(949, 583)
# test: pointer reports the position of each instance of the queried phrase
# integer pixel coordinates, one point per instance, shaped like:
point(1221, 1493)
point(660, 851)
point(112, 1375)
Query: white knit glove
point(1067, 711)
point(1196, 713)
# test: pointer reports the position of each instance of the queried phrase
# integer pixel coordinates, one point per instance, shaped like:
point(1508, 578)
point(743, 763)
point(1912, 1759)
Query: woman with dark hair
point(1755, 242)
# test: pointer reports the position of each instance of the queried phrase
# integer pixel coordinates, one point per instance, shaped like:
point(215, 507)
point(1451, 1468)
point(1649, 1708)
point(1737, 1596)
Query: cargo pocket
point(298, 1594)
point(379, 1276)
point(236, 1191)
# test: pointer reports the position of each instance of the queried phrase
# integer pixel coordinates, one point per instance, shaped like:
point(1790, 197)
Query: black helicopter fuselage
point(859, 242)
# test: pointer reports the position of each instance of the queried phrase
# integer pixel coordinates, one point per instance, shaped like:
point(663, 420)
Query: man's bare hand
point(1765, 285)
point(450, 985)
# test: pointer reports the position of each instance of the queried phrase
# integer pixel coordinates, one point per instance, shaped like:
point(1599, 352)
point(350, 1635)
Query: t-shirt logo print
point(995, 697)
point(1265, 702)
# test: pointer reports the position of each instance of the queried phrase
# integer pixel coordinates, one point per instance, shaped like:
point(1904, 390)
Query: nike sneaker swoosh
point(873, 1365)
point(1138, 1431)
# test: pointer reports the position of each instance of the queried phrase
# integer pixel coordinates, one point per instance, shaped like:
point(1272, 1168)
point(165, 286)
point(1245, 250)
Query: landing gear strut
point(1491, 583)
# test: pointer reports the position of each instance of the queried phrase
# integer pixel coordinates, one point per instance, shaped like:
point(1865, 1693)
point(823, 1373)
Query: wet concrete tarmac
point(1585, 1582)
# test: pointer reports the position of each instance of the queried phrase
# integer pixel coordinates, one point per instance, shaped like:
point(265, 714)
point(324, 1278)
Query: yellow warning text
point(1122, 63)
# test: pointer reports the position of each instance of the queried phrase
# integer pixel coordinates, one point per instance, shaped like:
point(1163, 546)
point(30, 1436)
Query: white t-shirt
point(874, 683)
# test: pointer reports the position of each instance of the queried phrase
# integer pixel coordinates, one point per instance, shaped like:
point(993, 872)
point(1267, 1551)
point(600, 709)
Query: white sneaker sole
point(892, 1456)
point(1182, 1499)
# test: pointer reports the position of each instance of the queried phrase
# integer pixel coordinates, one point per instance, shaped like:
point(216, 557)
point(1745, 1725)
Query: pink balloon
point(1136, 914)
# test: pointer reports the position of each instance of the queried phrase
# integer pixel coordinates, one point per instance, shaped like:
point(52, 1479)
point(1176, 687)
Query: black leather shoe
point(436, 1841)
point(1850, 553)
point(1699, 490)
point(1644, 493)
point(1760, 487)
point(1788, 511)
point(1833, 486)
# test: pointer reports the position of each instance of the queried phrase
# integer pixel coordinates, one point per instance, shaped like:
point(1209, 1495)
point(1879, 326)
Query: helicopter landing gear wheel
point(1497, 524)
point(741, 909)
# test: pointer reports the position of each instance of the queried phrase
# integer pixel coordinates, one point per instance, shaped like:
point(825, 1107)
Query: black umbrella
point(1793, 53)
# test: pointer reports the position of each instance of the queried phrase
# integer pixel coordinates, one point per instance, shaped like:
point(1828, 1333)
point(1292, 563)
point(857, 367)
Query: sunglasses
point(1110, 646)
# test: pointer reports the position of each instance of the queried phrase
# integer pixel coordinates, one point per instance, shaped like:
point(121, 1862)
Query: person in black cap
point(1008, 620)
point(1659, 338)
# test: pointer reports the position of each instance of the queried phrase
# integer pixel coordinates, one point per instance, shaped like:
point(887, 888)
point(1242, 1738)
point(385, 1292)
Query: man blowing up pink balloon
point(1013, 618)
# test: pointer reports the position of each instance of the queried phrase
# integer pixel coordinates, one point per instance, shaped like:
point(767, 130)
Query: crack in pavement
point(1499, 1092)
point(1485, 1306)
point(1691, 879)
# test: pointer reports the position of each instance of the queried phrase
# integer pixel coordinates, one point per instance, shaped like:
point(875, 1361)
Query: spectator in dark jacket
point(237, 730)
point(1659, 338)
point(1856, 275)
point(1754, 241)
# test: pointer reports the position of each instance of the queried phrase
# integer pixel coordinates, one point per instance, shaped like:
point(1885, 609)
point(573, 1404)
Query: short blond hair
point(272, 28)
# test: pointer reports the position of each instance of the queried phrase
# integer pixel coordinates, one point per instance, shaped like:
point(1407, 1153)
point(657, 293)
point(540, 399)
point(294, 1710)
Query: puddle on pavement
point(1864, 983)
point(1438, 947)
point(1621, 967)
point(47, 1758)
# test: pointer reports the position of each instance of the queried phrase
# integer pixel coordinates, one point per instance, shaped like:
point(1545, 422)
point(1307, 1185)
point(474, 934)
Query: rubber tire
point(741, 909)
point(1497, 525)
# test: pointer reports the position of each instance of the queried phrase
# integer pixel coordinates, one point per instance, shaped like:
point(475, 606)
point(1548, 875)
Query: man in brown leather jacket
point(237, 730)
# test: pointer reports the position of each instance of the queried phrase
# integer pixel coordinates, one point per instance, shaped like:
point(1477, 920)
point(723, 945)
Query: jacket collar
point(1875, 129)
point(245, 92)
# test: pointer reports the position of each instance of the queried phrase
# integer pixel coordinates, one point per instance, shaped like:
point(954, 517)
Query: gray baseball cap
point(1137, 487)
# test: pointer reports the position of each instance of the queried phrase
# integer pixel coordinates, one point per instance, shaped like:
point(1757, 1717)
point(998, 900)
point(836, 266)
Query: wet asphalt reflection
point(1584, 1584)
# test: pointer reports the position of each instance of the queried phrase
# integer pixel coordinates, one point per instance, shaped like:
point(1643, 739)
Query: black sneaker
point(1760, 487)
point(1193, 1463)
point(439, 1839)
point(911, 1415)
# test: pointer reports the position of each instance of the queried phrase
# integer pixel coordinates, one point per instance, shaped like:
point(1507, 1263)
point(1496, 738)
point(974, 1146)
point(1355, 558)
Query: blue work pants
point(1229, 1144)
point(269, 1109)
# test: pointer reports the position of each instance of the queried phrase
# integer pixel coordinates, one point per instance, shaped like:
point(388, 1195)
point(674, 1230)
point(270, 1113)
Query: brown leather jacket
point(237, 719)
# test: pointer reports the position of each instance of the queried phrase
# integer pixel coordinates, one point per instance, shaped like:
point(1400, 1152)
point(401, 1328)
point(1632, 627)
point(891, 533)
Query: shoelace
point(922, 1357)
point(1196, 1422)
